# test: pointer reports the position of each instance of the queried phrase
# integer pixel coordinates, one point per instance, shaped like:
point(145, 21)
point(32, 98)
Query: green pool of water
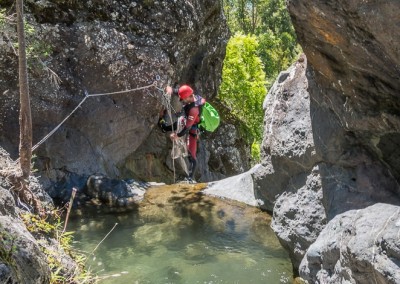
point(230, 247)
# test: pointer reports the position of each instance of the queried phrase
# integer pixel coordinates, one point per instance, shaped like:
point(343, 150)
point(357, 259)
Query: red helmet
point(184, 92)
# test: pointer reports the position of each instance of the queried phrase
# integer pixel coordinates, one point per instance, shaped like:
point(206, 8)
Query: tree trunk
point(25, 120)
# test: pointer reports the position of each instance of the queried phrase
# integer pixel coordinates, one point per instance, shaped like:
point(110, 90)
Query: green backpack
point(209, 117)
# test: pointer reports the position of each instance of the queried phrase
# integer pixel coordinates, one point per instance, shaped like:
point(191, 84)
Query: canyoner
point(196, 115)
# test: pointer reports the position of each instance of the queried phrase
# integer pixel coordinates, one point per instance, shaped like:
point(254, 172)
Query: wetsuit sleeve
point(169, 127)
point(184, 131)
point(192, 119)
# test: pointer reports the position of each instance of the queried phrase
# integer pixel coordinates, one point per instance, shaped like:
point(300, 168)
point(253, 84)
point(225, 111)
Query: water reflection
point(181, 236)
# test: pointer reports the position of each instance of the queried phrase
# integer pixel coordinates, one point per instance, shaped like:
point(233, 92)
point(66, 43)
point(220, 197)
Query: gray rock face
point(352, 47)
point(288, 147)
point(99, 47)
point(359, 246)
point(24, 262)
point(7, 203)
point(22, 258)
point(319, 173)
point(299, 216)
point(21, 253)
point(222, 154)
point(333, 151)
point(289, 180)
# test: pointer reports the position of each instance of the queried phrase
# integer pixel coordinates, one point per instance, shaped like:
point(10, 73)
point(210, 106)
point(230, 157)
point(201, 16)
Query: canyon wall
point(330, 150)
point(82, 48)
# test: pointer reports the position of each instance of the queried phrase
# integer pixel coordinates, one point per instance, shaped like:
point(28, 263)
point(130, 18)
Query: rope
point(154, 84)
point(166, 101)
point(57, 127)
point(126, 91)
point(176, 144)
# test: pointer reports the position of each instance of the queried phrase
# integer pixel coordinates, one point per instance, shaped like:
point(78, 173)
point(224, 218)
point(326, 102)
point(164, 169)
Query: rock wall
point(352, 51)
point(29, 252)
point(330, 144)
point(92, 47)
point(289, 180)
point(358, 246)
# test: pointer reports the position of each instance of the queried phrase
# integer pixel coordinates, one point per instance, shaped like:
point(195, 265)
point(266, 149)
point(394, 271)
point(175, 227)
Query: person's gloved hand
point(169, 90)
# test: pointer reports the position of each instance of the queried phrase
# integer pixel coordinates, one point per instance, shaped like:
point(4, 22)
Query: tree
point(269, 20)
point(25, 118)
point(277, 38)
point(270, 44)
point(243, 82)
point(242, 15)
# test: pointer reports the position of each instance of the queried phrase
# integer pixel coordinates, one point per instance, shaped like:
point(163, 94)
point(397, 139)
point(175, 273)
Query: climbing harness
point(179, 150)
point(179, 146)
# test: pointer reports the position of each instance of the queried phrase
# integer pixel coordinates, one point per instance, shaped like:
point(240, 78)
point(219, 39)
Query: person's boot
point(188, 180)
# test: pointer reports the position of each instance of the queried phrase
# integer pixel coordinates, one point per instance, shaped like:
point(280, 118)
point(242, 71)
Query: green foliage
point(2, 18)
point(270, 21)
point(41, 227)
point(277, 38)
point(243, 15)
point(270, 45)
point(6, 26)
point(243, 82)
point(36, 50)
point(277, 52)
point(255, 152)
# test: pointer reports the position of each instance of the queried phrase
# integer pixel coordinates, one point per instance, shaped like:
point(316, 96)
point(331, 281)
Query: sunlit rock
point(358, 246)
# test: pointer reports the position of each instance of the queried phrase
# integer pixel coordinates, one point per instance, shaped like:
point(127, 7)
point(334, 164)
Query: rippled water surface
point(195, 240)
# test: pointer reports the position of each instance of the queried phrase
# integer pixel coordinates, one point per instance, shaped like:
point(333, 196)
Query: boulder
point(331, 129)
point(287, 148)
point(299, 216)
point(239, 188)
point(354, 86)
point(92, 48)
point(22, 260)
point(114, 192)
point(312, 168)
point(358, 246)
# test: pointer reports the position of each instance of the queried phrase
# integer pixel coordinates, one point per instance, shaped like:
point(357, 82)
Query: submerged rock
point(189, 236)
point(169, 203)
